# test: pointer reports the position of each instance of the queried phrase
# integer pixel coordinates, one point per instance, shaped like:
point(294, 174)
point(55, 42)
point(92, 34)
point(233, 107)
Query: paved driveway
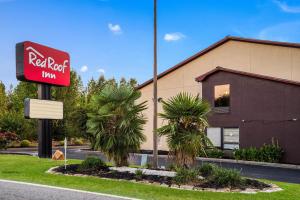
point(271, 173)
point(11, 190)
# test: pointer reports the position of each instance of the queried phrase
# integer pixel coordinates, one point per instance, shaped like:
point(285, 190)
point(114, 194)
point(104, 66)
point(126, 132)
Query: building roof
point(215, 45)
point(269, 78)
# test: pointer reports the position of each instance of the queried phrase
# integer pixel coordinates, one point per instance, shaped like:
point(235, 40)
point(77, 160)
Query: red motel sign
point(42, 64)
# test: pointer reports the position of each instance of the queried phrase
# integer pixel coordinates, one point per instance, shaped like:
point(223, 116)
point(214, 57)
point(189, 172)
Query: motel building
point(253, 87)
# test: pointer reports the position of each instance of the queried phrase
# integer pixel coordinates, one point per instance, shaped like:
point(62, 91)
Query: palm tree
point(186, 117)
point(117, 122)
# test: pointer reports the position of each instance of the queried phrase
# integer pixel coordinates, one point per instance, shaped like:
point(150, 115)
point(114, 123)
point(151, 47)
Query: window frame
point(222, 137)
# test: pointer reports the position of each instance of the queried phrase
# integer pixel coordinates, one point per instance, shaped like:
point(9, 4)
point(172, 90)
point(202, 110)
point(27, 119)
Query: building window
point(222, 98)
point(214, 135)
point(231, 138)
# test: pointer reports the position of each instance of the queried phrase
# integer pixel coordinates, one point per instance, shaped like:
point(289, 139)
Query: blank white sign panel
point(214, 134)
point(43, 109)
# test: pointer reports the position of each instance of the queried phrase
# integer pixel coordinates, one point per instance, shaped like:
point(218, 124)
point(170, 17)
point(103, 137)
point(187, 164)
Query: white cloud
point(101, 71)
point(288, 32)
point(115, 28)
point(286, 8)
point(169, 37)
point(84, 68)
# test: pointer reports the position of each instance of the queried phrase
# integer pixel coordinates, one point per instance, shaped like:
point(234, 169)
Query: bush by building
point(212, 153)
point(267, 153)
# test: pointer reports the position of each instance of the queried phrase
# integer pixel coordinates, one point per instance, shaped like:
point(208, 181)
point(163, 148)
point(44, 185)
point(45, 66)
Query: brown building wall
point(267, 107)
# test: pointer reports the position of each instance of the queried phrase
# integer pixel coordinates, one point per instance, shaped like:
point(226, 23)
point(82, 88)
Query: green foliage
point(212, 153)
point(72, 97)
point(139, 174)
point(3, 98)
point(271, 152)
point(222, 177)
point(172, 167)
point(6, 138)
point(18, 94)
point(79, 118)
point(12, 114)
point(185, 176)
point(25, 143)
point(186, 118)
point(15, 122)
point(207, 169)
point(116, 122)
point(76, 106)
point(267, 153)
point(148, 166)
point(92, 164)
point(61, 143)
point(78, 142)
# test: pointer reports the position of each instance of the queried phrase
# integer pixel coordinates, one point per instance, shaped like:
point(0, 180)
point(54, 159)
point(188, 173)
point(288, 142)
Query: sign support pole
point(44, 125)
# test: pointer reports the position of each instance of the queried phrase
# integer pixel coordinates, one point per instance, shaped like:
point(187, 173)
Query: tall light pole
point(155, 164)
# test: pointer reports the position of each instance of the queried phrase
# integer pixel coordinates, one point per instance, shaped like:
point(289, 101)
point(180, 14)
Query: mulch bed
point(106, 173)
point(162, 180)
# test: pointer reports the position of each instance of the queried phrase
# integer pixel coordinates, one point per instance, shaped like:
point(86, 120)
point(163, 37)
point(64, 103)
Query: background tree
point(71, 97)
point(3, 99)
point(116, 122)
point(186, 120)
point(13, 119)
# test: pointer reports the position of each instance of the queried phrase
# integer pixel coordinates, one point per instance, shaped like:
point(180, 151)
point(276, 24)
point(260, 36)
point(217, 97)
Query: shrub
point(148, 166)
point(226, 178)
point(61, 143)
point(212, 153)
point(92, 164)
point(16, 123)
point(25, 143)
point(271, 152)
point(184, 176)
point(6, 138)
point(267, 153)
point(78, 142)
point(172, 167)
point(207, 169)
point(139, 174)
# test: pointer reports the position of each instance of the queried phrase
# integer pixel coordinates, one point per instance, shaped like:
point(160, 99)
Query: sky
point(115, 37)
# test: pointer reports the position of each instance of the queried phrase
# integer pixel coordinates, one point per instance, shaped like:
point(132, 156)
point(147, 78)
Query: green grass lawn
point(32, 169)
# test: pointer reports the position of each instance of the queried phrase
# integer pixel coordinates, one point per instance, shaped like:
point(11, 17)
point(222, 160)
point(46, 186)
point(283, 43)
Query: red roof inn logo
point(42, 64)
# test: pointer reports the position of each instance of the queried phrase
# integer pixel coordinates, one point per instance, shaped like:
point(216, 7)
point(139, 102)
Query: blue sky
point(114, 37)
